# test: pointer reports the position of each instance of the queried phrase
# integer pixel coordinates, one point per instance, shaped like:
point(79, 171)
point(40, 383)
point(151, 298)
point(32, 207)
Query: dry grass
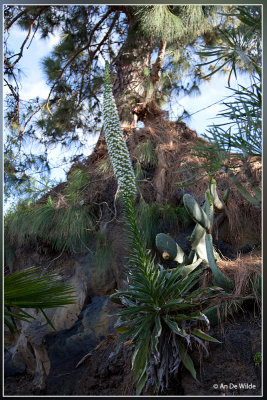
point(241, 269)
point(173, 143)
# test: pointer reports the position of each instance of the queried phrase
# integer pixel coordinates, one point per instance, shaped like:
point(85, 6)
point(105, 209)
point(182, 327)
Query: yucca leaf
point(174, 327)
point(144, 325)
point(114, 297)
point(200, 342)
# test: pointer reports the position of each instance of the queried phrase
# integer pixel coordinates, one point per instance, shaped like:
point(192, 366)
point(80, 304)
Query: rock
point(11, 368)
point(79, 327)
point(98, 281)
point(69, 346)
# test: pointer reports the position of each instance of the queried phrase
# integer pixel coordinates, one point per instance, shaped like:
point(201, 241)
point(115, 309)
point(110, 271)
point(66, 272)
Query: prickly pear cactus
point(169, 249)
point(202, 250)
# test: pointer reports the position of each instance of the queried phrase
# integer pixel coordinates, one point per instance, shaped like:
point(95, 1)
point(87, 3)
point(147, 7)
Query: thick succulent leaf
point(218, 204)
point(219, 276)
point(196, 213)
point(166, 243)
point(196, 236)
point(187, 269)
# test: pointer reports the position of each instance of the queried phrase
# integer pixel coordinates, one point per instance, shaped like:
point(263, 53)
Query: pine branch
point(154, 74)
point(20, 54)
point(73, 57)
point(23, 12)
point(69, 62)
point(97, 49)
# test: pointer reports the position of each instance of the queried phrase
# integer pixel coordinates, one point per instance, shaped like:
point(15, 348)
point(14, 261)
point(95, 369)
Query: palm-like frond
point(31, 289)
point(240, 47)
point(244, 115)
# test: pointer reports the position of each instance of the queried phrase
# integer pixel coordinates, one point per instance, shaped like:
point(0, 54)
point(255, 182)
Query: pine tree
point(147, 62)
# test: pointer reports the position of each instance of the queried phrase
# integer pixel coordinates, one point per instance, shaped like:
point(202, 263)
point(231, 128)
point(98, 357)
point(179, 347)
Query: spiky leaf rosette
point(117, 147)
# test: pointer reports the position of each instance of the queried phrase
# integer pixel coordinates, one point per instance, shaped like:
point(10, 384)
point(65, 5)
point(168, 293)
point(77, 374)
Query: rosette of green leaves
point(160, 315)
point(117, 147)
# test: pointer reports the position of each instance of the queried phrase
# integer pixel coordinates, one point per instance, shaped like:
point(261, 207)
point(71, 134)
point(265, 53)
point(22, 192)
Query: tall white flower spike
point(117, 148)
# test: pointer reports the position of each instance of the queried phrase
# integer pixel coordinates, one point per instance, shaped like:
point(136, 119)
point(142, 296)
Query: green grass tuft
point(154, 218)
point(146, 154)
point(67, 228)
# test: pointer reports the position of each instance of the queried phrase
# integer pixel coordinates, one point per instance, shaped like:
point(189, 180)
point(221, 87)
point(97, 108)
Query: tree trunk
point(133, 73)
point(130, 64)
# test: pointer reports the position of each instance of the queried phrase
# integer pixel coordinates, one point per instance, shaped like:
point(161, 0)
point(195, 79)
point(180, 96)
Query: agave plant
point(32, 290)
point(160, 306)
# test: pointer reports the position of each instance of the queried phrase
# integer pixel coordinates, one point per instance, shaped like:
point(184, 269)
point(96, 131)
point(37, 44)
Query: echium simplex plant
point(161, 307)
point(122, 167)
point(117, 148)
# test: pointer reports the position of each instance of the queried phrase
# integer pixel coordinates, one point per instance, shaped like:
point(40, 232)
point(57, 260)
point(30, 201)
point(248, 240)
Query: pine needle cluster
point(173, 23)
point(66, 226)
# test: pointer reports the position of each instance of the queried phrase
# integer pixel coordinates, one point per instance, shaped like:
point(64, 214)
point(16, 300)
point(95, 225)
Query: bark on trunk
point(130, 86)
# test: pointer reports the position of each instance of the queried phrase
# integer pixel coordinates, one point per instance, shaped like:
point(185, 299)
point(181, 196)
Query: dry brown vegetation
point(173, 143)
